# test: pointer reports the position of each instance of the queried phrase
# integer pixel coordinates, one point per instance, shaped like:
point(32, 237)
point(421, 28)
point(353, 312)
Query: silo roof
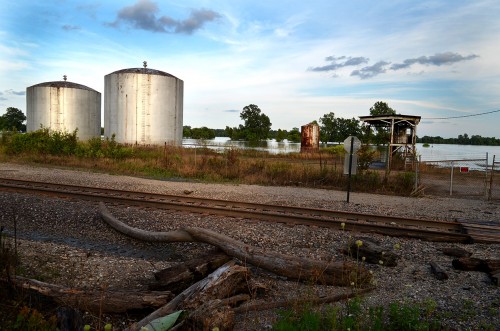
point(63, 83)
point(146, 71)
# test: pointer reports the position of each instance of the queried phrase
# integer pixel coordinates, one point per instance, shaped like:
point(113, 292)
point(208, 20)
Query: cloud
point(340, 62)
point(3, 99)
point(438, 59)
point(67, 27)
point(371, 71)
point(14, 92)
point(231, 111)
point(143, 16)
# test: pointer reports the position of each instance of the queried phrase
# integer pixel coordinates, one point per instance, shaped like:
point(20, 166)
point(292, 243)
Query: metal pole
point(350, 169)
point(451, 179)
point(486, 175)
point(491, 177)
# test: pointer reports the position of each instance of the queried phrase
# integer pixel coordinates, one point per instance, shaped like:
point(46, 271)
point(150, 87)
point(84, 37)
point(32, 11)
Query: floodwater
point(435, 152)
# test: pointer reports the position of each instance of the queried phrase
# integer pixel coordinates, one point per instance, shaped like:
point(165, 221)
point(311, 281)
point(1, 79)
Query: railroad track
point(430, 230)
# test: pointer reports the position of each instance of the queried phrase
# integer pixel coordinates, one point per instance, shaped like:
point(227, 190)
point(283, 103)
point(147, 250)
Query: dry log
point(179, 277)
point(455, 252)
point(438, 272)
point(104, 301)
point(210, 315)
point(492, 265)
point(325, 272)
point(209, 286)
point(476, 264)
point(469, 264)
point(371, 252)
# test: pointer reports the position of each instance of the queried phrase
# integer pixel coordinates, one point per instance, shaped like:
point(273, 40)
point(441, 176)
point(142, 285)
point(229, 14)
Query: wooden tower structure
point(402, 135)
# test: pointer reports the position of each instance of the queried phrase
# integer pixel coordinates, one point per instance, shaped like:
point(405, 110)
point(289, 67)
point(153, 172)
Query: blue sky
point(296, 60)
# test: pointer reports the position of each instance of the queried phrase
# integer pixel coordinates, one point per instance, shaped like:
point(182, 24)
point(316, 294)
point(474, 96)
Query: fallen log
point(476, 264)
point(370, 252)
point(193, 295)
point(177, 278)
point(341, 273)
point(438, 271)
point(103, 301)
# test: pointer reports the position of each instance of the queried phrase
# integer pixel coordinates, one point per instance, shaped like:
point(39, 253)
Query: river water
point(435, 152)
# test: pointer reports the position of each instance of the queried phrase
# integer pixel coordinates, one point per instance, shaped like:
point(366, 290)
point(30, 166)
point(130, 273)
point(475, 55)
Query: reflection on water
point(434, 152)
point(222, 143)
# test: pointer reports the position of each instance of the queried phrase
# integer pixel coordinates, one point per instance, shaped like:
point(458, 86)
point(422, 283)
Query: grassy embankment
point(323, 169)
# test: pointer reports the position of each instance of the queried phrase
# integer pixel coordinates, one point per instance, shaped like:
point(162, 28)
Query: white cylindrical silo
point(143, 106)
point(64, 106)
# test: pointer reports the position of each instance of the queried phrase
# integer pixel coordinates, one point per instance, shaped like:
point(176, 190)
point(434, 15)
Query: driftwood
point(177, 278)
point(95, 301)
point(438, 272)
point(475, 264)
point(325, 272)
point(220, 284)
point(371, 252)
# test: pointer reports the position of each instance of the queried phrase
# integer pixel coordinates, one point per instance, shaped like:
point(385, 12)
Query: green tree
point(294, 136)
point(381, 108)
point(13, 119)
point(257, 125)
point(337, 129)
point(280, 135)
point(202, 133)
point(186, 131)
point(383, 133)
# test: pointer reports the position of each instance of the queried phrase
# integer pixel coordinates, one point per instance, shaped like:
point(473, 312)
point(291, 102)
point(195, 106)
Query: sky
point(296, 60)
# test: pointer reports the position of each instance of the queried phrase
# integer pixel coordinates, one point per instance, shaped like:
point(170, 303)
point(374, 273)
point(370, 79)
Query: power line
point(446, 118)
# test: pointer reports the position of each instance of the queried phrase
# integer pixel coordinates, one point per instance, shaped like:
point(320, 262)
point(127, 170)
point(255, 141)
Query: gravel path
point(65, 241)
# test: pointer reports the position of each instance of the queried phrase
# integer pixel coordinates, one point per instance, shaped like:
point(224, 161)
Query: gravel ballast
point(66, 241)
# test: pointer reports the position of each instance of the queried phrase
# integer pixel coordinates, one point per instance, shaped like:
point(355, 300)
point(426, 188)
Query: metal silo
point(143, 106)
point(309, 138)
point(64, 106)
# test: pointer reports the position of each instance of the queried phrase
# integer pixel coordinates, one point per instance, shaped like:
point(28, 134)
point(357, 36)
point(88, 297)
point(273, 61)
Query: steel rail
point(387, 225)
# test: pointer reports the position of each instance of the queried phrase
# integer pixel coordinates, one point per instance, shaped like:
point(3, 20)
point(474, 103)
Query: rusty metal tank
point(143, 106)
point(309, 138)
point(64, 106)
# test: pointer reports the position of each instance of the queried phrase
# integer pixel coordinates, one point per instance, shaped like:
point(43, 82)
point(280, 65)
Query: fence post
point(451, 179)
point(486, 177)
point(416, 171)
point(491, 178)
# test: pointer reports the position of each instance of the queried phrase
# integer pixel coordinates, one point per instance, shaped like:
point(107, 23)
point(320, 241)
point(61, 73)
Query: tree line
point(257, 126)
point(461, 140)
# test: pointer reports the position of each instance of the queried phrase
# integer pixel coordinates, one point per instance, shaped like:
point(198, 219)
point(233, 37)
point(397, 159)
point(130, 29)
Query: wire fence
point(493, 192)
point(466, 177)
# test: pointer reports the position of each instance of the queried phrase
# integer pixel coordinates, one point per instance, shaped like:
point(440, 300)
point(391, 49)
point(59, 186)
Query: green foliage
point(163, 323)
point(42, 141)
point(32, 320)
point(461, 140)
point(257, 125)
point(202, 133)
point(13, 119)
point(355, 316)
point(381, 108)
point(338, 129)
point(294, 136)
point(405, 182)
point(366, 155)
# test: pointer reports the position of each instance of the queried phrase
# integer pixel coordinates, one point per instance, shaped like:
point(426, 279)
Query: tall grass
point(322, 169)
